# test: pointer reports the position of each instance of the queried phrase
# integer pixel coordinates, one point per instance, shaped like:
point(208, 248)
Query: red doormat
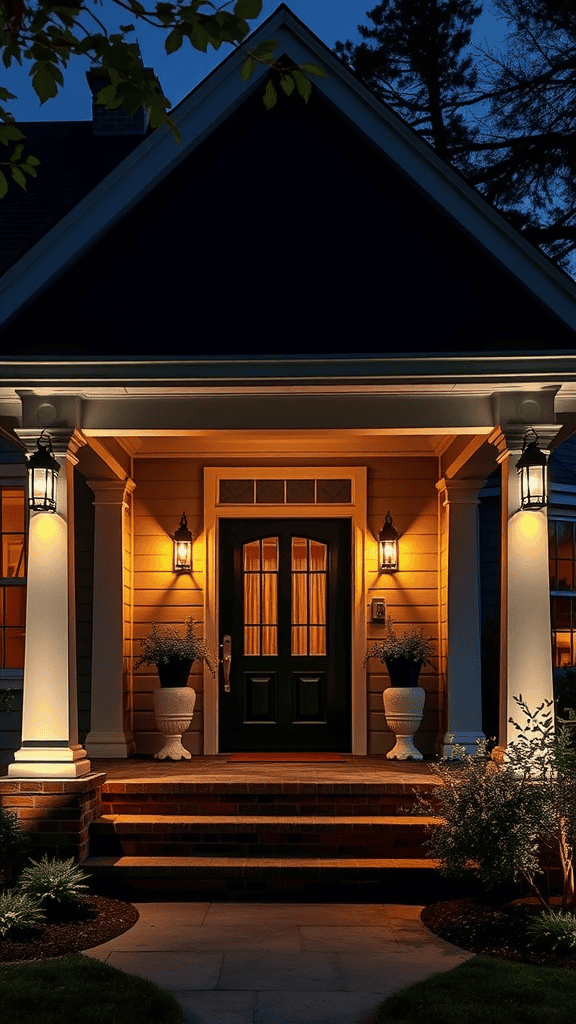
point(280, 757)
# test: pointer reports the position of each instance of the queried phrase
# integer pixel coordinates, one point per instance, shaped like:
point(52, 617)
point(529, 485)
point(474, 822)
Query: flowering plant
point(169, 645)
point(412, 645)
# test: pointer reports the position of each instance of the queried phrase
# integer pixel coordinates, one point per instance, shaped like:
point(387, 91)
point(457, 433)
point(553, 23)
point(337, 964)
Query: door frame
point(355, 510)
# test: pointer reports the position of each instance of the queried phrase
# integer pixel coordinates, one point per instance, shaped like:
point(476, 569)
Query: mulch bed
point(96, 919)
point(493, 930)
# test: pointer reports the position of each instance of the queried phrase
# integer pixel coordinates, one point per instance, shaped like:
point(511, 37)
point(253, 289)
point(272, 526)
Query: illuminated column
point(108, 736)
point(50, 747)
point(463, 662)
point(525, 635)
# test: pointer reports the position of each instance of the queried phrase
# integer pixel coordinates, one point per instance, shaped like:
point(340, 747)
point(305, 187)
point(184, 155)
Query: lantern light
point(388, 546)
point(43, 470)
point(532, 470)
point(183, 547)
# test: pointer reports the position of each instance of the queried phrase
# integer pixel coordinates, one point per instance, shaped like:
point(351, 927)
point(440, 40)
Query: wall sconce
point(533, 473)
point(183, 547)
point(43, 471)
point(388, 546)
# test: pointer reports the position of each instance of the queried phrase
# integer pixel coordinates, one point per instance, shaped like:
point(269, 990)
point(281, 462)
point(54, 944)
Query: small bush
point(18, 910)
point(53, 881)
point(551, 932)
point(14, 844)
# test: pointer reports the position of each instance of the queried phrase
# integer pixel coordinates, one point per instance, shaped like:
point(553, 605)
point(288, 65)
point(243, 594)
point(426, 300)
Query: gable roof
point(145, 165)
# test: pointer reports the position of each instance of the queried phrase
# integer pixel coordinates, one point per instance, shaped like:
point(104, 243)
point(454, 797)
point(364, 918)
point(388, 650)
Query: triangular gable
point(210, 104)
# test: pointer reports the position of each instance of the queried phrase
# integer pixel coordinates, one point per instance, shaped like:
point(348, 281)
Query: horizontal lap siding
point(406, 488)
point(164, 489)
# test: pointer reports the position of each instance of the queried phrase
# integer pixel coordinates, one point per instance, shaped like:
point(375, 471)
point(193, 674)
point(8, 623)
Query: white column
point(464, 666)
point(109, 735)
point(525, 633)
point(50, 747)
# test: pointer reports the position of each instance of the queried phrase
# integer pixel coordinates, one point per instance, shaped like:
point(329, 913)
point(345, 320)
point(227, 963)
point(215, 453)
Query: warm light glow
point(182, 541)
point(529, 524)
point(47, 529)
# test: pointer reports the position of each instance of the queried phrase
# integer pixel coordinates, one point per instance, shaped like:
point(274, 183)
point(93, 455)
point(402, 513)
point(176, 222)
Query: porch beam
point(50, 747)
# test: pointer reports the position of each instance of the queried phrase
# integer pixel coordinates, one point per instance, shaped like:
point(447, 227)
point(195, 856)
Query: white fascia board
point(210, 103)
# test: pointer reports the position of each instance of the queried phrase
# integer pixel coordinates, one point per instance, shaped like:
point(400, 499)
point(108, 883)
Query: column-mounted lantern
point(183, 547)
point(43, 471)
point(533, 472)
point(388, 546)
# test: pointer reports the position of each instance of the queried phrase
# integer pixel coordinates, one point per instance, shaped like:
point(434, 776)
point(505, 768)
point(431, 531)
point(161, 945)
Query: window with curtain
point(562, 558)
point(12, 580)
point(309, 568)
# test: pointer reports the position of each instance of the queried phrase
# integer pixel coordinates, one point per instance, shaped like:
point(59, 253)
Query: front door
point(285, 602)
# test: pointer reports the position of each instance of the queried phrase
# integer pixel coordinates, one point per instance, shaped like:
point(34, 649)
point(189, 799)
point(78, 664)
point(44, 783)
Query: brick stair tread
point(252, 865)
point(184, 822)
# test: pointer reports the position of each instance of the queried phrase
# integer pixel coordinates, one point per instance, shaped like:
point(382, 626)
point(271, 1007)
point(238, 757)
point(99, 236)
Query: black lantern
point(388, 546)
point(43, 470)
point(533, 475)
point(183, 547)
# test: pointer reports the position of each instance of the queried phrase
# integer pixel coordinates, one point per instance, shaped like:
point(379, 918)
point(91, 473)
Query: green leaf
point(10, 133)
point(44, 80)
point(313, 69)
point(174, 40)
point(3, 185)
point(32, 160)
point(136, 7)
point(26, 166)
point(265, 49)
point(270, 96)
point(19, 178)
point(303, 85)
point(127, 28)
point(247, 8)
point(287, 83)
point(5, 95)
point(108, 97)
point(247, 68)
point(199, 37)
point(17, 153)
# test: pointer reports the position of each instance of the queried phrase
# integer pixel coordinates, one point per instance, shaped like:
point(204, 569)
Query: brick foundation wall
point(55, 812)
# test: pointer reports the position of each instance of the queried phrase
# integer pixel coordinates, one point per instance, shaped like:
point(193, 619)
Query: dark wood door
point(285, 601)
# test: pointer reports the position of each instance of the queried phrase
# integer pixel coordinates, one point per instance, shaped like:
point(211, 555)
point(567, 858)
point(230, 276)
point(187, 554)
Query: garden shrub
point(53, 882)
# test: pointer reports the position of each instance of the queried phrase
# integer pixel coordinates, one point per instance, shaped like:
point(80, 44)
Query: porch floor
point(367, 770)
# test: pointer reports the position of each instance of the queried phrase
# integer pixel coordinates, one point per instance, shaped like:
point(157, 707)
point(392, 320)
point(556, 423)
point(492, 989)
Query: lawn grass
point(78, 988)
point(485, 990)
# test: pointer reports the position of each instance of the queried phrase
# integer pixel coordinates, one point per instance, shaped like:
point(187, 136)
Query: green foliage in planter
point(14, 843)
point(553, 932)
point(19, 911)
point(168, 644)
point(413, 645)
point(53, 881)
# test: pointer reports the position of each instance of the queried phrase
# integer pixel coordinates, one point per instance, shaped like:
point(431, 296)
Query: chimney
point(115, 122)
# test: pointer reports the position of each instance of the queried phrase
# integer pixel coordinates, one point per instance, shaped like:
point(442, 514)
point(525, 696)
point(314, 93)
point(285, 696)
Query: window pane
point(551, 538)
point(299, 554)
point(318, 598)
point(251, 639)
point(269, 598)
point(563, 652)
point(299, 640)
point(12, 555)
point(252, 599)
point(270, 554)
point(269, 640)
point(565, 574)
point(564, 540)
point(252, 556)
point(318, 640)
point(318, 556)
point(12, 510)
point(14, 654)
point(15, 598)
point(299, 597)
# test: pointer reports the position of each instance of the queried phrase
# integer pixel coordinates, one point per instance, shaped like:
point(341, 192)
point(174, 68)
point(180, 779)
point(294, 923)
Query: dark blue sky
point(182, 71)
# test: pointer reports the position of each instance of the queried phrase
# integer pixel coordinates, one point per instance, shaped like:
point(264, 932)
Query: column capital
point(460, 492)
point(111, 492)
point(66, 441)
point(508, 438)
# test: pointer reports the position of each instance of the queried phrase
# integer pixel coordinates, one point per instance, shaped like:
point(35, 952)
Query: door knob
point(226, 648)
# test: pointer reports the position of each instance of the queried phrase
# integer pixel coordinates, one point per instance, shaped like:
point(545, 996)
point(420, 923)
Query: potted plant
point(403, 699)
point(174, 655)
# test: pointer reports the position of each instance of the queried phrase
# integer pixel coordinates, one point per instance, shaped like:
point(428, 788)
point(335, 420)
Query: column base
point(109, 744)
point(465, 739)
point(49, 763)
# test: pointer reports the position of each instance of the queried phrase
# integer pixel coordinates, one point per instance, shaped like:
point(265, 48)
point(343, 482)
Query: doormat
point(280, 757)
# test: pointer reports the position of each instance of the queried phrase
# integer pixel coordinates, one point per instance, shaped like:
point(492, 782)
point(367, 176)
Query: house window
point(12, 581)
point(562, 551)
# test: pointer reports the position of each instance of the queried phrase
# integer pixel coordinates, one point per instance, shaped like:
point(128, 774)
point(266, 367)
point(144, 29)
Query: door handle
point(226, 648)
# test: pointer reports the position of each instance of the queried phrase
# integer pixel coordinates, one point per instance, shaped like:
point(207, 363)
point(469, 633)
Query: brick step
point(284, 798)
point(259, 835)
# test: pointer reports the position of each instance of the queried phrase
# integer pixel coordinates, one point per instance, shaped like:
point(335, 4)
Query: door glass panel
point(309, 572)
point(260, 570)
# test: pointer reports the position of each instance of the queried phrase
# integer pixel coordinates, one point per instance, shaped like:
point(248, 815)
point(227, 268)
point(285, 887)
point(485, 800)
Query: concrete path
point(277, 963)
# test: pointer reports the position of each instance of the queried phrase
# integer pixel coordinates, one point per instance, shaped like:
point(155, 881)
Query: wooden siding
point(165, 488)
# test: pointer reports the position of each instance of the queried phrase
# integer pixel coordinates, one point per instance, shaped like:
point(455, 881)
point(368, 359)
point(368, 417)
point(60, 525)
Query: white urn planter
point(174, 710)
point(403, 709)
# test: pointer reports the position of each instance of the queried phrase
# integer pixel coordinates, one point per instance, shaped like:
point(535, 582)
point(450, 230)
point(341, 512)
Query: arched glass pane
point(309, 573)
point(260, 570)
